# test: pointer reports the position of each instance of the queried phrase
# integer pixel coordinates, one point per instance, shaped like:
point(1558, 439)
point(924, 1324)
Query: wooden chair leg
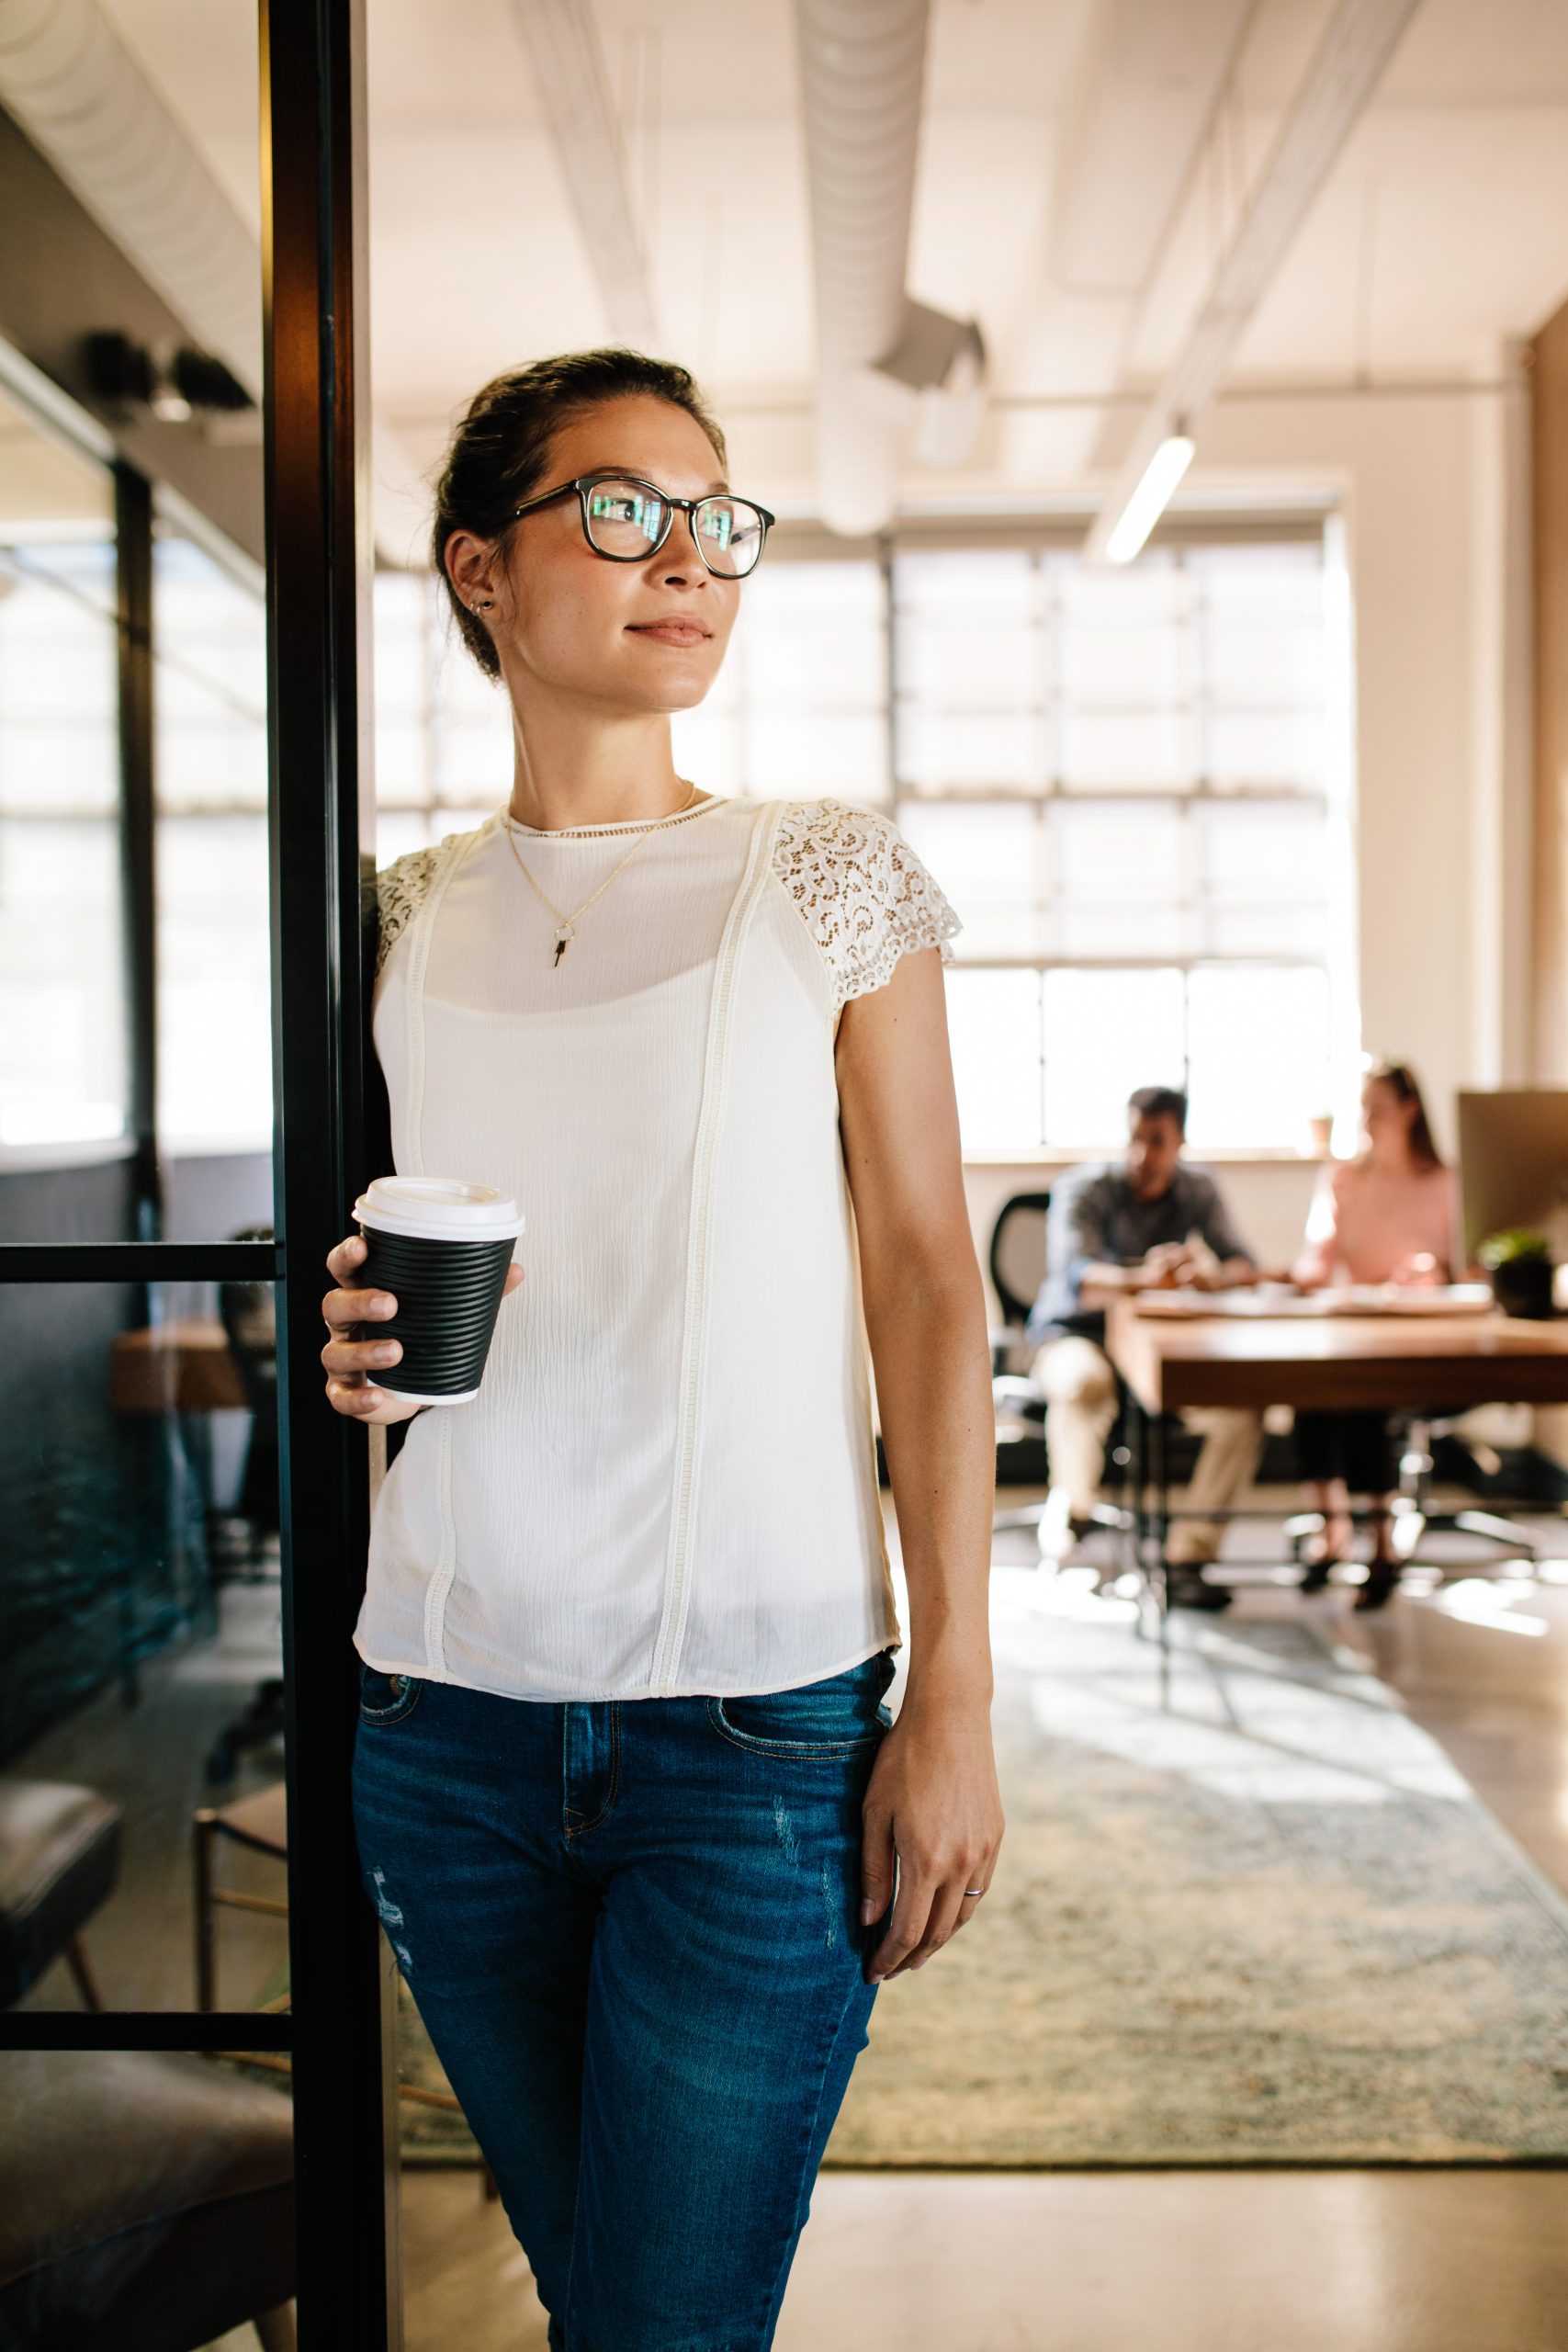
point(201, 1909)
point(275, 2329)
point(87, 1984)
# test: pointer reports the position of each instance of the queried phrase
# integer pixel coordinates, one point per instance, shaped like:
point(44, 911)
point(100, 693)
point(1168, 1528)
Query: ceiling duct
point(87, 103)
point(882, 362)
point(79, 95)
point(562, 42)
point(1338, 82)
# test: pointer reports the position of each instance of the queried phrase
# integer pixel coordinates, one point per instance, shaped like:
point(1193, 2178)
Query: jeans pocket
point(386, 1698)
point(840, 1716)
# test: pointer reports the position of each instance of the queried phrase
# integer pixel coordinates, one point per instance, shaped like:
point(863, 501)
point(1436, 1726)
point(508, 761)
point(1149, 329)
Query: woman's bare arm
point(933, 1797)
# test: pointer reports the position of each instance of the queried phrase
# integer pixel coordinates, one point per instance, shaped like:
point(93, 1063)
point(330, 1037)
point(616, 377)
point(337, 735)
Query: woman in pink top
point(1388, 1215)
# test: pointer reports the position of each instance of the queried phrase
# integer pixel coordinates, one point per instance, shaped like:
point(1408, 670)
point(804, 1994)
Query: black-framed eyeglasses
point(627, 520)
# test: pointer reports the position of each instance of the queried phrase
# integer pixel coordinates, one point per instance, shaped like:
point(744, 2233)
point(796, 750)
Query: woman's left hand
point(934, 1803)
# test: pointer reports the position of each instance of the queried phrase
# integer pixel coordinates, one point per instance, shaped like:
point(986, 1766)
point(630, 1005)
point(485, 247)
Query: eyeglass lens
point(626, 519)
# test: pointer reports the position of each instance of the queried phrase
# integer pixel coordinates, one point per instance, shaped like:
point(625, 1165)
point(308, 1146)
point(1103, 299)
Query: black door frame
point(330, 1135)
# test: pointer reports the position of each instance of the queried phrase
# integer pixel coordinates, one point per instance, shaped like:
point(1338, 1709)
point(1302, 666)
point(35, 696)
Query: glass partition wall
point(192, 1998)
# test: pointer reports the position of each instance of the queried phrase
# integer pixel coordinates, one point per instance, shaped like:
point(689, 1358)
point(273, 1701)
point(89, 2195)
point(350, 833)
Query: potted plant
point(1520, 1266)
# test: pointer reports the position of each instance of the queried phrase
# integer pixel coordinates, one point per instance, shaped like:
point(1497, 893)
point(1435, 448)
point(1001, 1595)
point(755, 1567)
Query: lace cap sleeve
point(399, 892)
point(862, 892)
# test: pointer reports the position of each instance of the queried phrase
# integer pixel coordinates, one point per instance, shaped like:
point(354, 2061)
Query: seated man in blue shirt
point(1146, 1222)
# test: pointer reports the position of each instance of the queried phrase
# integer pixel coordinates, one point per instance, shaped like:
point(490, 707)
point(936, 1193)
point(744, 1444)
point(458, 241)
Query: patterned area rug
point(1271, 1923)
point(1266, 1924)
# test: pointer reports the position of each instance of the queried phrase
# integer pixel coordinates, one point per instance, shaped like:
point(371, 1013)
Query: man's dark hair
point(1159, 1102)
point(501, 446)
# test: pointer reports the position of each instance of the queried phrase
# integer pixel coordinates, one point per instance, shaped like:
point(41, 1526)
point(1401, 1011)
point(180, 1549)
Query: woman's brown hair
point(1405, 1087)
point(501, 446)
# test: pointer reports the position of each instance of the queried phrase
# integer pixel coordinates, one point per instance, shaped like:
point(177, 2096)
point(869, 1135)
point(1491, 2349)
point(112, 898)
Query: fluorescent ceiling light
point(1150, 499)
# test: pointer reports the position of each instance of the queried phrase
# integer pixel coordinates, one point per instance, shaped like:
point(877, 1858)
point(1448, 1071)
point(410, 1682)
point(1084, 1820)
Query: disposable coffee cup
point(442, 1248)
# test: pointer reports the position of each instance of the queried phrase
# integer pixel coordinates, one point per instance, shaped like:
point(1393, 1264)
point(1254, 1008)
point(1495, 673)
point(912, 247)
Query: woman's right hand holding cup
point(350, 1359)
point(355, 1351)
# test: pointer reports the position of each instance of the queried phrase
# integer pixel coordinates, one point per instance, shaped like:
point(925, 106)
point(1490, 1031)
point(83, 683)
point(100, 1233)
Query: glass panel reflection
point(62, 1075)
point(141, 1717)
point(145, 2198)
point(214, 951)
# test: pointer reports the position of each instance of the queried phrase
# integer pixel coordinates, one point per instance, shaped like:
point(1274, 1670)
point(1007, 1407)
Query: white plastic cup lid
point(438, 1208)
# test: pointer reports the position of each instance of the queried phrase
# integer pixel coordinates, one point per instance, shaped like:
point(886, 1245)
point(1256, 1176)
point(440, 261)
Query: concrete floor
point(1179, 2262)
point(1377, 2261)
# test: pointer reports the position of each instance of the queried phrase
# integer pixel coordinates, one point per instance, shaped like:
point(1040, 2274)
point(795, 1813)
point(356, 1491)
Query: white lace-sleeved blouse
point(666, 1484)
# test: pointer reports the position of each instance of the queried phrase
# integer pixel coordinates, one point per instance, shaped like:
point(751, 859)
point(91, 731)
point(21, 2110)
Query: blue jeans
point(632, 1931)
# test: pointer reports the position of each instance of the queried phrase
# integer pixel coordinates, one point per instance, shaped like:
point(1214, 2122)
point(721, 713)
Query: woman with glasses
point(641, 1829)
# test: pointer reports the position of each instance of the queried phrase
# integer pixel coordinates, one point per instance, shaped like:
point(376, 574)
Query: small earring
point(484, 603)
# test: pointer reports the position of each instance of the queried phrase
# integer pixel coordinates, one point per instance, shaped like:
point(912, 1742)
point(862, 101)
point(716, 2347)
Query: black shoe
point(1187, 1589)
point(1317, 1575)
point(1381, 1584)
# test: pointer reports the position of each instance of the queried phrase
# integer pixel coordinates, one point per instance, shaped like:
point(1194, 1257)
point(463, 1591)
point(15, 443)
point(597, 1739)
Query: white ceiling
point(1442, 230)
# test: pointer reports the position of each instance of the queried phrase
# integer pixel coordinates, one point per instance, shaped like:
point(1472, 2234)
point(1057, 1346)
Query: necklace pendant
point(563, 941)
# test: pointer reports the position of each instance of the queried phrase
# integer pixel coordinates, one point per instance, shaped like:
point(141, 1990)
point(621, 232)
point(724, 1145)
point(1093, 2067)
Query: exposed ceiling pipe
point(1340, 79)
point(863, 74)
point(562, 41)
point(86, 102)
point(78, 94)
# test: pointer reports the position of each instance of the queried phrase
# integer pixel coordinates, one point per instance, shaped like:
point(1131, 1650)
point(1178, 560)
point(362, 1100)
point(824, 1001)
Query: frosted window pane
point(209, 702)
point(62, 1073)
point(1257, 1048)
point(1253, 663)
point(78, 553)
point(62, 1052)
point(989, 857)
point(952, 666)
point(1263, 873)
point(822, 664)
point(1133, 666)
point(1257, 747)
point(1123, 854)
point(400, 829)
point(1265, 930)
point(459, 686)
point(978, 748)
point(210, 628)
point(708, 745)
point(1106, 1034)
point(993, 1024)
point(59, 744)
point(1000, 583)
point(1108, 751)
point(814, 633)
point(1122, 879)
point(214, 993)
point(796, 755)
point(401, 773)
point(1125, 637)
point(473, 758)
point(1284, 580)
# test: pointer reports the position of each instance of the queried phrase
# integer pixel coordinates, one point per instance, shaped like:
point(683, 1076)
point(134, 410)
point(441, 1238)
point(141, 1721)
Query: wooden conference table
point(1428, 1350)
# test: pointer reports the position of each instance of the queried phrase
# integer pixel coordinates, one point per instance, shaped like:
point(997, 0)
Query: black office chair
point(1018, 1269)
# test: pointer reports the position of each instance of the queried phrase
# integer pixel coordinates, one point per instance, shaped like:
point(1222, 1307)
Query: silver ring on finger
point(971, 1892)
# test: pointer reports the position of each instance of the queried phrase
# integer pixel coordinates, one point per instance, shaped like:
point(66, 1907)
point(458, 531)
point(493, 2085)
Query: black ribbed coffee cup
point(449, 1285)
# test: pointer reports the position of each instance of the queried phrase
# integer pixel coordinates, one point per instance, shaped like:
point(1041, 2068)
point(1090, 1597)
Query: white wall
point(1430, 493)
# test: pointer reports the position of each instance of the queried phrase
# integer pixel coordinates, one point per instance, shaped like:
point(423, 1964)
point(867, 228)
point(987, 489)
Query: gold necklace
point(566, 924)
